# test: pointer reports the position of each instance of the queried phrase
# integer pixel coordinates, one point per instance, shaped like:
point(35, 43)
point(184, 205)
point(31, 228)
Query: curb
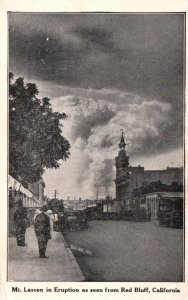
point(74, 261)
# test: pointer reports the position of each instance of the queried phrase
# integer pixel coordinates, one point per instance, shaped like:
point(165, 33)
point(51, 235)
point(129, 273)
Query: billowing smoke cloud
point(93, 128)
point(107, 72)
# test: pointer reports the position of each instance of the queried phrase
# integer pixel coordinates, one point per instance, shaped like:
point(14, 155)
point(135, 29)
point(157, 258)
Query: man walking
point(42, 231)
point(20, 219)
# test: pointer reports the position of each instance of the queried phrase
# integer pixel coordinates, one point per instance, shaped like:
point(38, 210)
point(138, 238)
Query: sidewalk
point(25, 265)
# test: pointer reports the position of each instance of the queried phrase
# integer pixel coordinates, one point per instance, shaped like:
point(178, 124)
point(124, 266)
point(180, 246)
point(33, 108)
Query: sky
point(107, 72)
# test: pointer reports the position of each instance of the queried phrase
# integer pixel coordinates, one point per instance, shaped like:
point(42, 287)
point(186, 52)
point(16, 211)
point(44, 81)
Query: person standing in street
point(42, 231)
point(21, 222)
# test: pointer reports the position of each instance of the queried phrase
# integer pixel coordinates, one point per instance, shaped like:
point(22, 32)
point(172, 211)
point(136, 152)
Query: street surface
point(128, 251)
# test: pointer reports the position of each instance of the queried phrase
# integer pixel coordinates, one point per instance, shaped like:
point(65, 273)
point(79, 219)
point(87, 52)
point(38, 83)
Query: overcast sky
point(107, 72)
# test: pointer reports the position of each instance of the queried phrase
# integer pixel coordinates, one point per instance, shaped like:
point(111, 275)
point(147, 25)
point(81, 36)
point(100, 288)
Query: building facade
point(37, 188)
point(129, 178)
point(151, 201)
point(19, 196)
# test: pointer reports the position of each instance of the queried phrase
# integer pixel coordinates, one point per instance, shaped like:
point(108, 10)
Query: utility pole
point(55, 194)
point(97, 195)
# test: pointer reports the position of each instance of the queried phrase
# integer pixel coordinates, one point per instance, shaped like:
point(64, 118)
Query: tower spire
point(122, 141)
point(122, 169)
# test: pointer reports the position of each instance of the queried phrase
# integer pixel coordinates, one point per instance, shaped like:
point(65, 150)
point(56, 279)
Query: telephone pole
point(55, 194)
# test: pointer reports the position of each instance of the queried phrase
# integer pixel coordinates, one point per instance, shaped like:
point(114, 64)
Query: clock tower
point(122, 180)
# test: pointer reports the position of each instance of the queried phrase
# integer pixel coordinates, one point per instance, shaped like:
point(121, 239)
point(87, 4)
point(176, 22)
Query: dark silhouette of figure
point(42, 231)
point(61, 219)
point(20, 219)
point(149, 212)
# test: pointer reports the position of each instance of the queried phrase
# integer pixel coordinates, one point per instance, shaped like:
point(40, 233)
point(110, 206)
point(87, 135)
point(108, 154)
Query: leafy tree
point(158, 187)
point(35, 133)
point(55, 205)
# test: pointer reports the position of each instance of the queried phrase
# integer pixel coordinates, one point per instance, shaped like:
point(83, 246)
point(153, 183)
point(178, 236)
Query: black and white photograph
point(96, 115)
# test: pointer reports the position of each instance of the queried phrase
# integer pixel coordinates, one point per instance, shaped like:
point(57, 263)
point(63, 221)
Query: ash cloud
point(105, 177)
point(96, 38)
point(107, 72)
point(142, 54)
point(84, 124)
point(94, 128)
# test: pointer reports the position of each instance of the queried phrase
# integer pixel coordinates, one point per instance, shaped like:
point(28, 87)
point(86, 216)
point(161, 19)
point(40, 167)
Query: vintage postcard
point(94, 152)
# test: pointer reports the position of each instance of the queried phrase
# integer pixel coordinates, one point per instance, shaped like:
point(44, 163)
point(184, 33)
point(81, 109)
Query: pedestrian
point(51, 216)
point(56, 222)
point(37, 211)
point(61, 218)
point(42, 231)
point(21, 222)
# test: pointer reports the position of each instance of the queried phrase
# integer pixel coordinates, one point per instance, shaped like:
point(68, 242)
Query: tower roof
point(122, 142)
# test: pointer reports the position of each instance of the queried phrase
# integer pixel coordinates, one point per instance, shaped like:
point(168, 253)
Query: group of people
point(43, 226)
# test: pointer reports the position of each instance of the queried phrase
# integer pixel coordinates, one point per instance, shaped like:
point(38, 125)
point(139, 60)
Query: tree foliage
point(35, 132)
point(158, 187)
point(55, 205)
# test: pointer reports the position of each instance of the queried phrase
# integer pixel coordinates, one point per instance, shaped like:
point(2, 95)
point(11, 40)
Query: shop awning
point(16, 185)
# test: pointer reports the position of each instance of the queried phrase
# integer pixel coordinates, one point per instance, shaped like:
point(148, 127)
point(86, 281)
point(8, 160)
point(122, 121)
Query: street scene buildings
point(96, 171)
point(128, 209)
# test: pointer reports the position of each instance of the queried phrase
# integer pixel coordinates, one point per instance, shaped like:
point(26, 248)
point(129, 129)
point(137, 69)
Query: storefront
point(18, 196)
